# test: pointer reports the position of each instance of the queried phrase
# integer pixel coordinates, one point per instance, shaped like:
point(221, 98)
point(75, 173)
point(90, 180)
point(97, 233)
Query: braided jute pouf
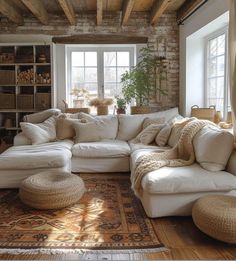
point(216, 216)
point(51, 190)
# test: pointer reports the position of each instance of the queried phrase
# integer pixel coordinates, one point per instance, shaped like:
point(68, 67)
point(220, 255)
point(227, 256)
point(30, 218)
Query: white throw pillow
point(148, 135)
point(163, 136)
point(96, 130)
point(40, 133)
point(213, 148)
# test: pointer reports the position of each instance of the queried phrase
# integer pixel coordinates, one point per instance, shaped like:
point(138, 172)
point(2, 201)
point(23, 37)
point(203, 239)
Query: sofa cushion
point(41, 116)
point(131, 125)
point(65, 127)
point(102, 128)
point(47, 155)
point(187, 179)
point(213, 147)
point(101, 149)
point(163, 135)
point(147, 135)
point(41, 132)
point(149, 121)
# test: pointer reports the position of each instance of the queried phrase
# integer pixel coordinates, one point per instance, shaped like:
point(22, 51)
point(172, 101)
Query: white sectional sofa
point(167, 191)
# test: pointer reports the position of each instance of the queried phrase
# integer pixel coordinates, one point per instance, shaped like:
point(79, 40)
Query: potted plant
point(101, 105)
point(142, 81)
point(121, 105)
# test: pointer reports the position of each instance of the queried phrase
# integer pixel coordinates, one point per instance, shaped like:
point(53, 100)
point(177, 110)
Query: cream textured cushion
point(40, 133)
point(213, 147)
point(148, 135)
point(163, 135)
point(97, 130)
point(149, 121)
point(65, 127)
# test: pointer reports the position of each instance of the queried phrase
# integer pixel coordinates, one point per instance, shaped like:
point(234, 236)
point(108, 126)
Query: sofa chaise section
point(19, 162)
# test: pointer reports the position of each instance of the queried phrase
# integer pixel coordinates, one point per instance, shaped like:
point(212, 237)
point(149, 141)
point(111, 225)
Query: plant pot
point(120, 111)
point(102, 110)
point(140, 109)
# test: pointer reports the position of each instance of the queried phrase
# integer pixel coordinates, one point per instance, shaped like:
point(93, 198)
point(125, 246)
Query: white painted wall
point(203, 21)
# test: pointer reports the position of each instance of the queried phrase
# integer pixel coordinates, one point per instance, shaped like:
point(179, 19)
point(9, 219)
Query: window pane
point(77, 58)
point(109, 58)
point(110, 90)
point(212, 47)
point(120, 71)
point(122, 58)
point(212, 67)
point(77, 74)
point(212, 88)
point(109, 74)
point(92, 88)
point(220, 66)
point(90, 58)
point(221, 44)
point(220, 87)
point(91, 74)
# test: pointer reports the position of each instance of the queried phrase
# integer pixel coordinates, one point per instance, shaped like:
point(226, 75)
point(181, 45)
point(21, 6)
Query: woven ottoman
point(51, 190)
point(216, 216)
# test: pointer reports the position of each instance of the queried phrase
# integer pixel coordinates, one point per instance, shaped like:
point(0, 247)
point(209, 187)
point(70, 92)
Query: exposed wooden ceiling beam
point(99, 11)
point(126, 10)
point(10, 12)
point(187, 8)
point(100, 39)
point(38, 9)
point(158, 9)
point(68, 10)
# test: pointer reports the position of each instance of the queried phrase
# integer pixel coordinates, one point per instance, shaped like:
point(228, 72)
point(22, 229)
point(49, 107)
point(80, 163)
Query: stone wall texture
point(162, 38)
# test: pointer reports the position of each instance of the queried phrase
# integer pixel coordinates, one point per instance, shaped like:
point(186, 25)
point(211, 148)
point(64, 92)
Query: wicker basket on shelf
point(140, 109)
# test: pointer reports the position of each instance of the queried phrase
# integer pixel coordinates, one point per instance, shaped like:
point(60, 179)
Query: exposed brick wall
point(162, 38)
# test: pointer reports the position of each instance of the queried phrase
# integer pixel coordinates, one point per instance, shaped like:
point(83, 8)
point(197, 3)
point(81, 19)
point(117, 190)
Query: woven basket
point(216, 216)
point(102, 110)
point(140, 109)
point(204, 113)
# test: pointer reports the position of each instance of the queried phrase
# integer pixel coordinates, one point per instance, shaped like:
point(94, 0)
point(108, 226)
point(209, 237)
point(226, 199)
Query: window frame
point(100, 49)
point(217, 33)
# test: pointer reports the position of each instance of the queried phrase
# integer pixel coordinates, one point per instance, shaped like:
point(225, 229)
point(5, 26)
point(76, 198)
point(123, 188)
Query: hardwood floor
point(178, 234)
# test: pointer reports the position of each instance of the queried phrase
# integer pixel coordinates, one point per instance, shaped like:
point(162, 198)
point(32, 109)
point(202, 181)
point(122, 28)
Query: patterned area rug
point(108, 216)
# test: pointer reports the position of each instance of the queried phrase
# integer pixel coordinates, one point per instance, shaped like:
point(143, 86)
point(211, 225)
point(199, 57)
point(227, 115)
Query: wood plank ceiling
point(17, 10)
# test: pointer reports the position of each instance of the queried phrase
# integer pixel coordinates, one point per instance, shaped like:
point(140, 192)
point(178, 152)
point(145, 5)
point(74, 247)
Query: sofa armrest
point(20, 139)
point(231, 166)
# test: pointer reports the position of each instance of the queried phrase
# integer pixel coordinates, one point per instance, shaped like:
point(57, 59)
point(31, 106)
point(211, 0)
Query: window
point(216, 72)
point(96, 72)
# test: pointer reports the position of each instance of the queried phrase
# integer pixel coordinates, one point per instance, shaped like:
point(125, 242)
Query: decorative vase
point(120, 111)
point(140, 109)
point(102, 110)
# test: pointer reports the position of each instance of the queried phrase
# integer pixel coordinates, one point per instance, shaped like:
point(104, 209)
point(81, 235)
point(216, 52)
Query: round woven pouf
point(51, 190)
point(216, 216)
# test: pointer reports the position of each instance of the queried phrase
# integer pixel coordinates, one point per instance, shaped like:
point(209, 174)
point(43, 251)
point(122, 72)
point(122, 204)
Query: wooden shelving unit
point(26, 82)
